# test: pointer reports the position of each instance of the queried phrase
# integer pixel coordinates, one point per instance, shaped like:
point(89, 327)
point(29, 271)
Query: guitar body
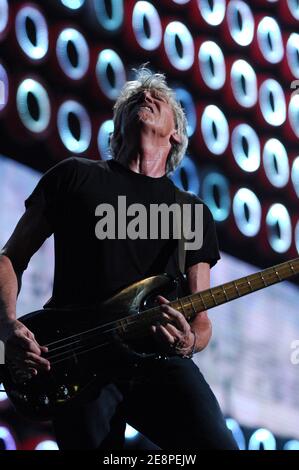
point(94, 353)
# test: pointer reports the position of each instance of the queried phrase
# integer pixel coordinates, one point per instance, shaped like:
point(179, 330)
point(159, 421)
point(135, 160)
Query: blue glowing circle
point(188, 104)
point(276, 163)
point(47, 445)
point(174, 31)
point(295, 175)
point(273, 102)
point(214, 118)
point(146, 10)
point(42, 99)
point(109, 59)
point(247, 160)
point(248, 222)
point(212, 12)
point(213, 76)
point(273, 48)
point(279, 216)
point(293, 54)
point(104, 134)
point(262, 437)
point(297, 237)
point(294, 8)
point(294, 114)
point(34, 51)
point(293, 444)
point(7, 438)
point(187, 169)
point(181, 2)
point(237, 432)
point(73, 4)
point(220, 209)
point(110, 21)
point(4, 88)
point(244, 83)
point(241, 32)
point(70, 35)
point(68, 139)
point(130, 432)
point(4, 15)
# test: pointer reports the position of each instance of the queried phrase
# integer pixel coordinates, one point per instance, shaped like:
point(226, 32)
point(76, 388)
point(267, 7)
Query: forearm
point(8, 290)
point(202, 327)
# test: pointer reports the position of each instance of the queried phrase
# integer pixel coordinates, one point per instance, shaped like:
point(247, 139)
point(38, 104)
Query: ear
point(175, 138)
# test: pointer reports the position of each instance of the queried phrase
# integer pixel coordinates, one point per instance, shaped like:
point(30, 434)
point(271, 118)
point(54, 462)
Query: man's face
point(152, 111)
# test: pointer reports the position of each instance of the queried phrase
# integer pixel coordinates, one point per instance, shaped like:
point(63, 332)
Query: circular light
point(4, 15)
point(279, 228)
point(272, 102)
point(147, 26)
point(244, 83)
point(186, 100)
point(293, 444)
point(179, 45)
point(293, 54)
point(262, 437)
point(248, 212)
point(104, 134)
point(294, 8)
point(295, 175)
point(240, 22)
point(109, 14)
point(186, 176)
point(75, 63)
point(276, 163)
point(110, 73)
point(213, 11)
point(7, 438)
point(4, 88)
point(237, 432)
point(36, 48)
point(73, 4)
point(215, 130)
point(74, 110)
point(294, 114)
point(33, 105)
point(47, 445)
point(215, 192)
point(130, 432)
point(246, 148)
point(181, 2)
point(270, 40)
point(212, 65)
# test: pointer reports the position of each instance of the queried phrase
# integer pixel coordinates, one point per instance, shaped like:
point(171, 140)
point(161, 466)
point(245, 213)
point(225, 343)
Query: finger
point(175, 315)
point(26, 344)
point(162, 300)
point(38, 360)
point(173, 331)
point(165, 335)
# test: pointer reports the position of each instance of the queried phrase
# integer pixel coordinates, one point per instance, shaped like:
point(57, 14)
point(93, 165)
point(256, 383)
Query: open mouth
point(148, 108)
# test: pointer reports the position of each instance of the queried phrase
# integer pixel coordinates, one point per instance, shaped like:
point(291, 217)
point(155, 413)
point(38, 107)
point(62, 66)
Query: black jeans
point(171, 404)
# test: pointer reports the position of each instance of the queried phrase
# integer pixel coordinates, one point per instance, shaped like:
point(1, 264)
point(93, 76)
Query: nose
point(148, 96)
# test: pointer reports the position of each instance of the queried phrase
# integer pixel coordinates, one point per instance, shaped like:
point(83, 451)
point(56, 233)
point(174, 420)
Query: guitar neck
point(190, 305)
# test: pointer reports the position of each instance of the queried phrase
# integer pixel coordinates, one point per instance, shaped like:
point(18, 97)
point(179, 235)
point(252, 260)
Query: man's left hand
point(177, 334)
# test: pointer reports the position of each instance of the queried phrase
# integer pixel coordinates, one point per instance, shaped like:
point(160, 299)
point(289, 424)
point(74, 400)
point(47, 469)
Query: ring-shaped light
point(244, 83)
point(69, 140)
point(240, 21)
point(4, 15)
point(247, 211)
point(215, 130)
point(27, 91)
point(186, 176)
point(295, 175)
point(246, 148)
point(212, 11)
point(111, 20)
point(73, 37)
point(73, 4)
point(270, 40)
point(272, 102)
point(294, 114)
point(279, 228)
point(276, 163)
point(294, 8)
point(181, 58)
point(212, 65)
point(109, 62)
point(213, 184)
point(104, 134)
point(37, 50)
point(146, 13)
point(187, 102)
point(4, 88)
point(293, 54)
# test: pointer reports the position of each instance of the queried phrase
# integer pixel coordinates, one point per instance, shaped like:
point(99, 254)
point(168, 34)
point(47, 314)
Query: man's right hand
point(22, 351)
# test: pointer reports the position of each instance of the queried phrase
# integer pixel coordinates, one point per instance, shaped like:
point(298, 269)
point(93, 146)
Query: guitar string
point(107, 331)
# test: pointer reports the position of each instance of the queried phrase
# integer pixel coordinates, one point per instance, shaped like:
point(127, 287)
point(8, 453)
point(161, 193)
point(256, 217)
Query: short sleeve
point(51, 190)
point(209, 251)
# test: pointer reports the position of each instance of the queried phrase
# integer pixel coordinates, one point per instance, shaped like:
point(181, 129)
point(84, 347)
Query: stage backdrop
point(248, 363)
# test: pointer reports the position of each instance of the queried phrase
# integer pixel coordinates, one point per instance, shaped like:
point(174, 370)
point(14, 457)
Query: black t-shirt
point(87, 269)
